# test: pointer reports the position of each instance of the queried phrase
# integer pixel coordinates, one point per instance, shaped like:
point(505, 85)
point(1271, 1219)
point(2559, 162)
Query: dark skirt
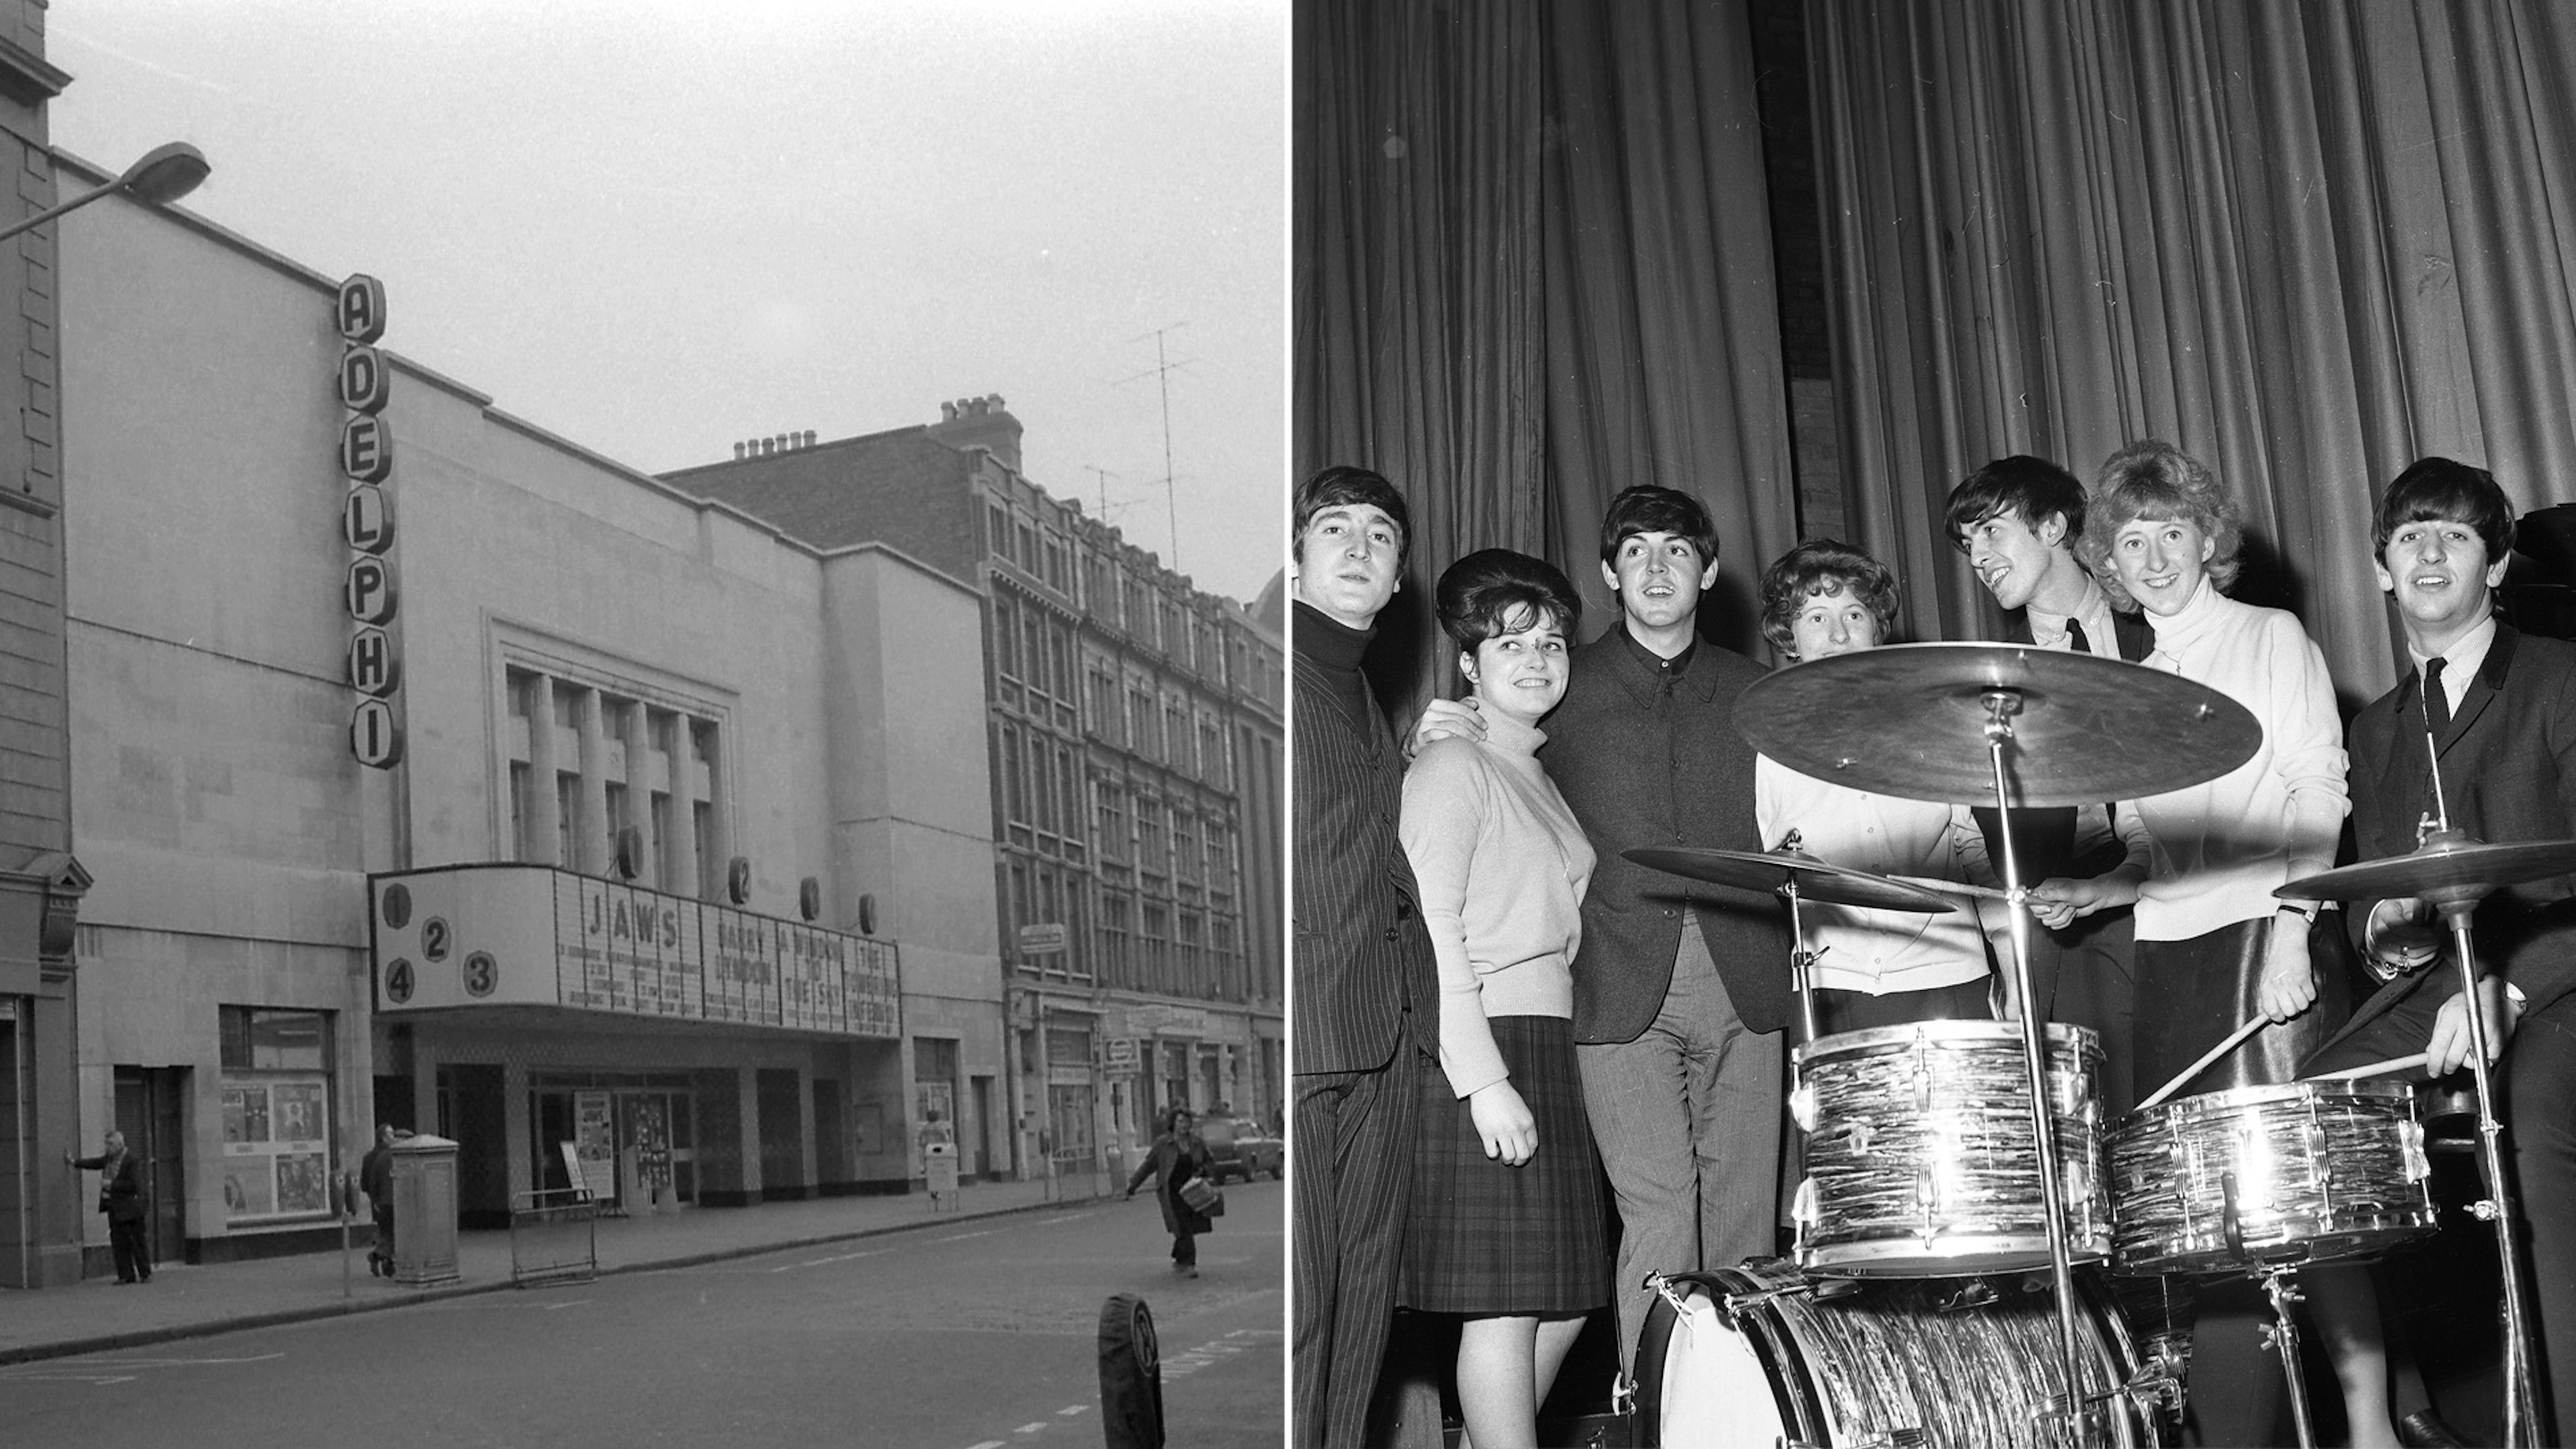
point(1486, 1238)
point(2193, 994)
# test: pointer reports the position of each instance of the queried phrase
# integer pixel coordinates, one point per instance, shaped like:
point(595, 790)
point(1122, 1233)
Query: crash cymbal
point(1759, 870)
point(1910, 720)
point(2439, 867)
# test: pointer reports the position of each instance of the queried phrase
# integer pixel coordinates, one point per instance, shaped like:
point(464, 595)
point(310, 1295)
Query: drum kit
point(1934, 1298)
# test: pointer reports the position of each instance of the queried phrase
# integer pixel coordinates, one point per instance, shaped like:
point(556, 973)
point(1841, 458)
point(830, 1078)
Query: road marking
point(1068, 1413)
point(1039, 1427)
point(95, 1380)
point(961, 1237)
point(552, 1307)
point(989, 1444)
point(835, 1258)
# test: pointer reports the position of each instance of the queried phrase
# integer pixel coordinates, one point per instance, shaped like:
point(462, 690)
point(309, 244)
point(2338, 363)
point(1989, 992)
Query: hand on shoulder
point(1444, 719)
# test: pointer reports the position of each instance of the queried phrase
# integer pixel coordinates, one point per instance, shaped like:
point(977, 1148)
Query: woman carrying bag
point(1177, 1162)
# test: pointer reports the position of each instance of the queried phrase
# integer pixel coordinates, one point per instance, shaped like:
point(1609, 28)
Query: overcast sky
point(656, 228)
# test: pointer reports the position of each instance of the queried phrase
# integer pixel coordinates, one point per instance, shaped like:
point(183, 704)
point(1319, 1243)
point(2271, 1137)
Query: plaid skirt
point(1487, 1238)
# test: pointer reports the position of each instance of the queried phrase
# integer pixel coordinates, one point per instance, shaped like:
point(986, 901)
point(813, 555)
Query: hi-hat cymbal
point(1910, 720)
point(2441, 866)
point(1758, 870)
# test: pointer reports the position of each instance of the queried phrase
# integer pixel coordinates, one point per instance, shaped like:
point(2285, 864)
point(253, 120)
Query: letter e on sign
point(371, 590)
point(367, 519)
point(373, 669)
point(360, 309)
point(375, 735)
point(363, 385)
point(366, 448)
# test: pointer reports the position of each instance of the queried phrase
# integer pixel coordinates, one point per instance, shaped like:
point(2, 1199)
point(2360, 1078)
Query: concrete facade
point(598, 674)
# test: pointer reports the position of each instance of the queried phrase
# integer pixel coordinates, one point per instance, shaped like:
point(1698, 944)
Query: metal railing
point(554, 1236)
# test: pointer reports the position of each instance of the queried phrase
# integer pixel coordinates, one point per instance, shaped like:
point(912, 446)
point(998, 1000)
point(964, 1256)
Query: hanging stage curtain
point(2307, 243)
point(1532, 267)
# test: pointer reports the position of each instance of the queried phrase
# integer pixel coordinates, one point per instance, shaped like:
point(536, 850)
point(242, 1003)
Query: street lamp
point(163, 175)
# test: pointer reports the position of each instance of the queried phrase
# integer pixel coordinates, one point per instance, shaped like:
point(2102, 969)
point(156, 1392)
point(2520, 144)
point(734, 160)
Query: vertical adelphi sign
point(367, 524)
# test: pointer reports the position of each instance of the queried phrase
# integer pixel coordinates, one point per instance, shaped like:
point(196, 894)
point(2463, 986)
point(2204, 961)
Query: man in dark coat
point(120, 1196)
point(1366, 993)
point(2017, 520)
point(2502, 714)
point(376, 1180)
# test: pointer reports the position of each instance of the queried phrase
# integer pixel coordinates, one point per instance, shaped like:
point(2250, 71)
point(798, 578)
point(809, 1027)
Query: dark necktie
point(2437, 705)
point(2076, 641)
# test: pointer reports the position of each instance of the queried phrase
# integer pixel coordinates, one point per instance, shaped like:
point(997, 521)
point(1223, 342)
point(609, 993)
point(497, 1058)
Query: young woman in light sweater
point(1507, 1227)
point(2214, 948)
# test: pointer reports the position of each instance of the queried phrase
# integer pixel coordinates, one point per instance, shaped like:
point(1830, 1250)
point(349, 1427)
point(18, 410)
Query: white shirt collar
point(2048, 630)
point(2462, 661)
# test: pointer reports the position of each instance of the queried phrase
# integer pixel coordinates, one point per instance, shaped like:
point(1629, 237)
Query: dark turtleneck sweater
point(1334, 648)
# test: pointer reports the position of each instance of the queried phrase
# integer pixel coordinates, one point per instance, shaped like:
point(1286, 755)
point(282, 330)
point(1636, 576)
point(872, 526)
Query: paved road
point(963, 1335)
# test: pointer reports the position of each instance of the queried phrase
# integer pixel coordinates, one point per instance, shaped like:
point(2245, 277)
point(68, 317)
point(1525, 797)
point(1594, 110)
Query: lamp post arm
point(57, 209)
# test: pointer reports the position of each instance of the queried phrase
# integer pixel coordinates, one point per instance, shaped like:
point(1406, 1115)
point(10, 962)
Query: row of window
point(589, 765)
point(1135, 941)
point(1126, 599)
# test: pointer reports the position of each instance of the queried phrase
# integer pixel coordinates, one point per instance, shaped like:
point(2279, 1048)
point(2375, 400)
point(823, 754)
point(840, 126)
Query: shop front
point(655, 1051)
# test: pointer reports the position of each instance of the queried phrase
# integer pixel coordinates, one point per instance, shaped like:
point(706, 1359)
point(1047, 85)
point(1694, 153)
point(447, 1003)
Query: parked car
point(1241, 1147)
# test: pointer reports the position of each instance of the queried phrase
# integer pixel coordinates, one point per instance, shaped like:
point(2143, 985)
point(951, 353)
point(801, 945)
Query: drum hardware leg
point(2001, 705)
point(1802, 962)
point(1623, 1395)
point(2282, 1337)
point(2521, 1425)
point(2230, 1226)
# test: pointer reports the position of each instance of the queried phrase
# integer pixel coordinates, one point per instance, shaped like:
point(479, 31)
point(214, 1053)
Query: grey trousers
point(1687, 1118)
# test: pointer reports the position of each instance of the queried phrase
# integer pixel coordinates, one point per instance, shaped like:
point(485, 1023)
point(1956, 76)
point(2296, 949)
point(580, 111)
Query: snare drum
point(1754, 1357)
point(2283, 1175)
point(1919, 1160)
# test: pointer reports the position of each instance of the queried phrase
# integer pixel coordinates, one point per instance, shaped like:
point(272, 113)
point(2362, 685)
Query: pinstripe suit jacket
point(1361, 954)
point(2509, 773)
point(1642, 771)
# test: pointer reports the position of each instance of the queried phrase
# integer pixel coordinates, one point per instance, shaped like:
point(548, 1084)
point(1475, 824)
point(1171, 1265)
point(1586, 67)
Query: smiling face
point(1347, 562)
point(1659, 577)
point(2014, 560)
point(2161, 561)
point(1832, 621)
point(2438, 571)
point(1521, 671)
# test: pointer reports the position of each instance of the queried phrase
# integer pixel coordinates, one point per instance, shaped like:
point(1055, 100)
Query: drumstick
point(2389, 1068)
point(2234, 1040)
point(1951, 887)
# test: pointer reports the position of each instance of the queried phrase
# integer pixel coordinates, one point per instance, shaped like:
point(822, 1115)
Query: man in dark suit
point(2017, 520)
point(1680, 990)
point(1366, 991)
point(2500, 706)
point(120, 1196)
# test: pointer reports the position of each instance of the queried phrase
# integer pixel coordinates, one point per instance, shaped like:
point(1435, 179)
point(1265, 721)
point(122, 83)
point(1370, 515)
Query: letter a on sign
point(361, 309)
point(370, 590)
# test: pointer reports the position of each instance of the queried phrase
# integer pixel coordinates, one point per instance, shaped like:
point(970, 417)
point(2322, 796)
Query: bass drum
point(1754, 1357)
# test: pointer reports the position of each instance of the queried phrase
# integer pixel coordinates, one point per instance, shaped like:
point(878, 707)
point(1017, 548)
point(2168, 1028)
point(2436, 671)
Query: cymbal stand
point(2001, 705)
point(2457, 904)
point(1802, 962)
point(2281, 1335)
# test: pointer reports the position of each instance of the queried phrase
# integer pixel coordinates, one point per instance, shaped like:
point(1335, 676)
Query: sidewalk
point(187, 1302)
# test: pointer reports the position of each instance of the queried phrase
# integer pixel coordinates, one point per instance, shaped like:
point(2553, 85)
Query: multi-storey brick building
point(1136, 744)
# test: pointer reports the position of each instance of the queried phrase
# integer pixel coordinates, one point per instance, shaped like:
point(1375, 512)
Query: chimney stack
point(980, 422)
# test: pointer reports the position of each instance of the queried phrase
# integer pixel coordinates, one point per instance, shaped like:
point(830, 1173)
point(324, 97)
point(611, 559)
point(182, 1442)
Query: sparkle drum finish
point(1919, 1156)
point(1758, 1356)
point(2280, 1175)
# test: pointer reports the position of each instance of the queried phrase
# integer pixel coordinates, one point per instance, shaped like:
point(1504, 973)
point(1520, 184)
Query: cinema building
point(429, 768)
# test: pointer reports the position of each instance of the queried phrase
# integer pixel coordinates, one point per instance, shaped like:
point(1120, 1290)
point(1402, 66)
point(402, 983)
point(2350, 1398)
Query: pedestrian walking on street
point(376, 1180)
point(120, 1196)
point(1177, 1157)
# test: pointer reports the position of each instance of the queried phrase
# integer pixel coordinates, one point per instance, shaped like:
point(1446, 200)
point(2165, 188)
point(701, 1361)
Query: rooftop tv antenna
point(1161, 372)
